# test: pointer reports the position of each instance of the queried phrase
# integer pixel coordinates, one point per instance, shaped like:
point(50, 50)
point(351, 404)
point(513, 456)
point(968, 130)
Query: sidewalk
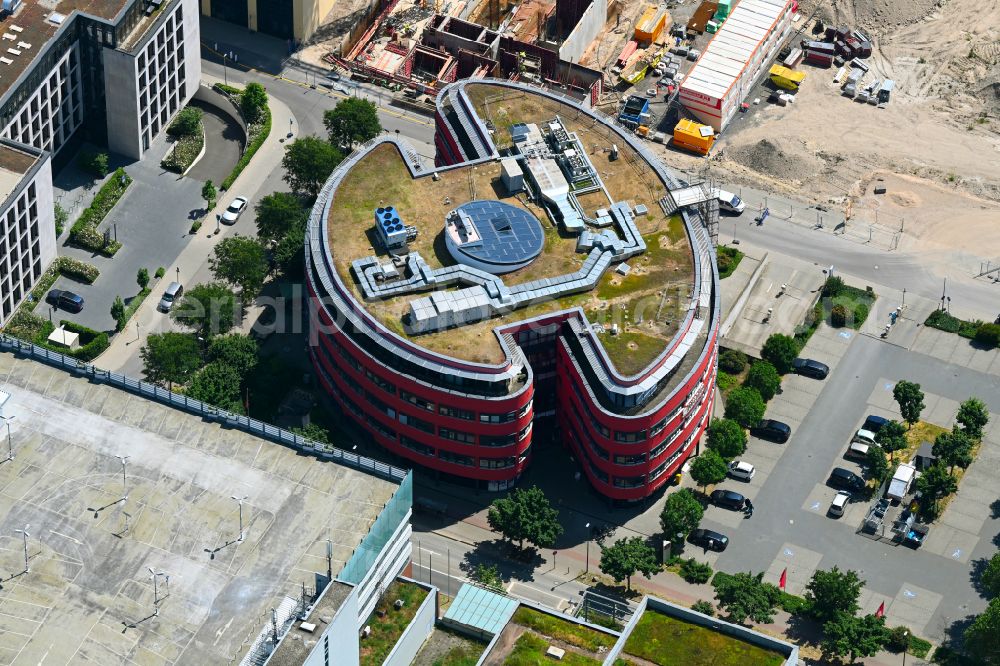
point(125, 346)
point(567, 581)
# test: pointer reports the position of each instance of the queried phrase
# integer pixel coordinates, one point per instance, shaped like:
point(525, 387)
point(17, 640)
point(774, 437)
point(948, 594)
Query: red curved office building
point(535, 273)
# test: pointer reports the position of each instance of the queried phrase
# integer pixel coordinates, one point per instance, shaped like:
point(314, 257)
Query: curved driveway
point(223, 145)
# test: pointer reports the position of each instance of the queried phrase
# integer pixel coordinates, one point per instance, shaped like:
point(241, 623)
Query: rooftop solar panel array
point(509, 235)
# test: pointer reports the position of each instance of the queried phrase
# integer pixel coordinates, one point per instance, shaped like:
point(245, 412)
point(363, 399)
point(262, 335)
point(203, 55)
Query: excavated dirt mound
point(767, 158)
point(876, 16)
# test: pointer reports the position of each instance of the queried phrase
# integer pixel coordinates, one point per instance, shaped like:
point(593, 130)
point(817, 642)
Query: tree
point(488, 576)
point(745, 595)
point(764, 378)
point(622, 559)
point(838, 316)
point(313, 431)
point(242, 262)
point(703, 607)
point(170, 357)
point(780, 350)
point(856, 637)
point(910, 399)
point(981, 637)
point(833, 286)
point(953, 449)
point(973, 417)
point(289, 253)
point(681, 513)
point(878, 466)
point(208, 308)
point(352, 121)
point(253, 101)
point(187, 122)
point(745, 406)
point(142, 278)
point(727, 438)
point(308, 162)
point(236, 351)
point(834, 591)
point(97, 164)
point(732, 361)
point(209, 194)
point(990, 579)
point(279, 213)
point(695, 572)
point(708, 468)
point(988, 335)
point(936, 483)
point(118, 313)
point(526, 515)
point(891, 437)
point(218, 385)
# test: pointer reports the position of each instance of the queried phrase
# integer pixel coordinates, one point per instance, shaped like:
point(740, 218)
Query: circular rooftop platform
point(493, 236)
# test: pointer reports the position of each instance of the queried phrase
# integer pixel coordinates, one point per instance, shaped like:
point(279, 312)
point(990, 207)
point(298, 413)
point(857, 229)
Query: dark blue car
point(64, 300)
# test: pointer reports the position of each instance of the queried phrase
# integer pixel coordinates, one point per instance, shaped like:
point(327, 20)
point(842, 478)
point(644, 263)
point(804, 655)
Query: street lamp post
point(906, 645)
point(24, 533)
point(10, 444)
point(587, 568)
point(178, 269)
point(156, 592)
point(240, 500)
point(123, 460)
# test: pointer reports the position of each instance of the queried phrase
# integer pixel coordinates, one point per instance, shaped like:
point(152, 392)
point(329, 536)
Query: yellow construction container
point(650, 25)
point(789, 79)
point(693, 136)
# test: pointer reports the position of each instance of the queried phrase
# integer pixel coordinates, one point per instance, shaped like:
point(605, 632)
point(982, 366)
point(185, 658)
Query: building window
point(414, 445)
point(630, 460)
point(457, 436)
point(629, 481)
point(416, 400)
point(496, 463)
point(414, 422)
point(498, 418)
point(630, 437)
point(456, 413)
point(456, 458)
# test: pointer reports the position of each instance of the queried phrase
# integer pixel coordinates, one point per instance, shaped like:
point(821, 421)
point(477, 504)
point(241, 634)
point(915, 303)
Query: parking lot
point(926, 589)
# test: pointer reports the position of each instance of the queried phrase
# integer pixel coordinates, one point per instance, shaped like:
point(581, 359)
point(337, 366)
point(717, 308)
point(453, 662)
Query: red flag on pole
point(881, 610)
point(783, 579)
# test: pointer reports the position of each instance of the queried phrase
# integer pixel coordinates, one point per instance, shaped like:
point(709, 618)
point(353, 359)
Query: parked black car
point(776, 431)
point(874, 423)
point(64, 300)
point(845, 479)
point(709, 539)
point(728, 499)
point(810, 368)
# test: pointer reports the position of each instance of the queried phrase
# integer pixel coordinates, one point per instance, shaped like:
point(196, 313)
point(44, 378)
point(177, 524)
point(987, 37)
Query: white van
point(731, 203)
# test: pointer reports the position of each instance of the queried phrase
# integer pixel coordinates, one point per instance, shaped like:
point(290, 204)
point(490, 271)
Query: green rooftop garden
point(667, 641)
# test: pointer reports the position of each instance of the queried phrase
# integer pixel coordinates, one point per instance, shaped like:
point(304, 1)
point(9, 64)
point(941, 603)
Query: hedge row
point(258, 133)
point(84, 231)
point(92, 343)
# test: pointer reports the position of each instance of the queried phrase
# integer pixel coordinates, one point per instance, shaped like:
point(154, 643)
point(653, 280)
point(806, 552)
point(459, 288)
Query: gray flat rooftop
point(298, 643)
point(88, 595)
point(14, 164)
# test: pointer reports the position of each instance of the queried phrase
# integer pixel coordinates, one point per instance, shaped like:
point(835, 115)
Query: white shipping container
point(734, 59)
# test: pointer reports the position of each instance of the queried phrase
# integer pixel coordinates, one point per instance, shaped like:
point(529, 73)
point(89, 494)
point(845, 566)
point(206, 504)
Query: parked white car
point(235, 210)
point(741, 470)
point(839, 504)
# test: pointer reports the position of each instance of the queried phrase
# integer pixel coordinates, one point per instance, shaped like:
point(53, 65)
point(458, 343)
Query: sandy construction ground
point(936, 145)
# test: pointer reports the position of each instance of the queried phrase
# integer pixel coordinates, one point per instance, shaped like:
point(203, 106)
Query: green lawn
point(666, 641)
point(563, 630)
point(387, 630)
point(631, 351)
point(529, 650)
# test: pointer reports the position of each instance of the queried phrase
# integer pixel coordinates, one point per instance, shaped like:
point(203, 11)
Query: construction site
point(741, 88)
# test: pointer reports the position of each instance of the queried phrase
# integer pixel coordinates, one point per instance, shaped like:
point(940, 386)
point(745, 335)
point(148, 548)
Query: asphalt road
point(817, 445)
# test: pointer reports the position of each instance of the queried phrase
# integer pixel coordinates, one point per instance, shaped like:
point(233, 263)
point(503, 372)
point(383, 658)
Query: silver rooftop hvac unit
point(511, 175)
point(390, 228)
